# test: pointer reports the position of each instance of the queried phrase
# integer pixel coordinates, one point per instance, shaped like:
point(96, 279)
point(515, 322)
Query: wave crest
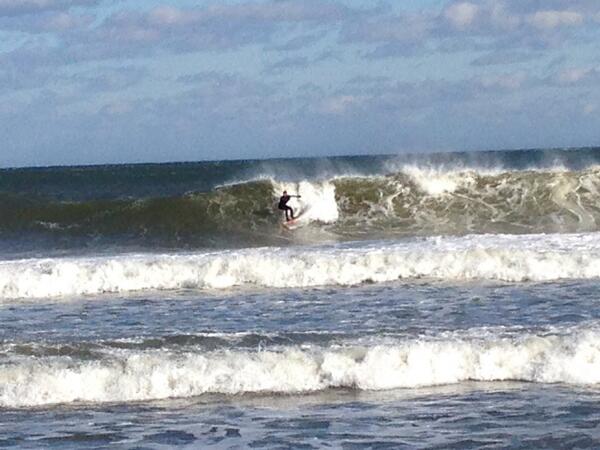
point(570, 357)
point(506, 257)
point(411, 202)
point(418, 202)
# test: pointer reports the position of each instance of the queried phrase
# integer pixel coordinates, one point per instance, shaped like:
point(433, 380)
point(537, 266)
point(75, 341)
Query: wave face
point(410, 203)
point(188, 206)
point(109, 373)
point(510, 258)
point(424, 202)
point(232, 211)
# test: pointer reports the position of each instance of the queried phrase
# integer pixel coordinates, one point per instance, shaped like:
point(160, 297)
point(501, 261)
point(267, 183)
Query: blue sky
point(109, 81)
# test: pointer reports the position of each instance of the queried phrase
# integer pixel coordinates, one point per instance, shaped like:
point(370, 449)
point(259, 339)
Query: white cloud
point(19, 7)
point(63, 21)
point(339, 104)
point(547, 20)
point(268, 12)
point(168, 15)
point(589, 108)
point(118, 107)
point(573, 75)
point(509, 81)
point(501, 18)
point(220, 26)
point(461, 15)
point(283, 10)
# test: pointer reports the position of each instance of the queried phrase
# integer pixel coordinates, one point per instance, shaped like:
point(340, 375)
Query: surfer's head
point(284, 192)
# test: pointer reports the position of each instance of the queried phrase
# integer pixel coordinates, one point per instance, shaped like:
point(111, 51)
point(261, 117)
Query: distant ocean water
point(431, 301)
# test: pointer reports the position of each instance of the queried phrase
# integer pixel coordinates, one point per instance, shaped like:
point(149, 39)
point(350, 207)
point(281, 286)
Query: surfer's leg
point(285, 210)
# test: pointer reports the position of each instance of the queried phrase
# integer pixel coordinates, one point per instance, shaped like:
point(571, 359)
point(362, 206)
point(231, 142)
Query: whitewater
point(133, 375)
point(426, 301)
point(485, 257)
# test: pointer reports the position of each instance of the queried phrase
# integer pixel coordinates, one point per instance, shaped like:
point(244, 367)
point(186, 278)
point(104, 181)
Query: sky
point(119, 81)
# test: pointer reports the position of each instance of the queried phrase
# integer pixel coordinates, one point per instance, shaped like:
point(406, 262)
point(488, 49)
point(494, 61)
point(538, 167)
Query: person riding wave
point(284, 207)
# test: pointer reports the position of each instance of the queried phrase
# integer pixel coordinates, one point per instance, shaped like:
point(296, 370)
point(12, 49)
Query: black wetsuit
point(284, 207)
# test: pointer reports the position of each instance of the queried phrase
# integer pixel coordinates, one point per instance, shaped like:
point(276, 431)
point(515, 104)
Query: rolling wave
point(231, 212)
point(569, 355)
point(425, 202)
point(511, 258)
point(412, 202)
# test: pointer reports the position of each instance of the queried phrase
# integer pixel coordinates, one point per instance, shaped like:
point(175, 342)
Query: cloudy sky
point(102, 81)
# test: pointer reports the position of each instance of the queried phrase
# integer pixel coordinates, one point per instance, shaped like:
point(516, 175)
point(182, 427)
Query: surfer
point(284, 207)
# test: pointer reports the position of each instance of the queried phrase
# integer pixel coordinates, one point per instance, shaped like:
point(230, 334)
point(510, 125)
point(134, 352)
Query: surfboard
point(294, 223)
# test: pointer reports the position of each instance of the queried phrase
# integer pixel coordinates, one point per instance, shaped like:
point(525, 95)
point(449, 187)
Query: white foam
point(491, 257)
point(455, 168)
point(133, 375)
point(437, 181)
point(317, 202)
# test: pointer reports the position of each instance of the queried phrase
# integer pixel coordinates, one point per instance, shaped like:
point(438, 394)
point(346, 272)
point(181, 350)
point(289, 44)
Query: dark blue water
point(175, 179)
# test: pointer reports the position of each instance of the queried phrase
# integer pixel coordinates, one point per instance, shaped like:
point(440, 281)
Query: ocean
point(428, 301)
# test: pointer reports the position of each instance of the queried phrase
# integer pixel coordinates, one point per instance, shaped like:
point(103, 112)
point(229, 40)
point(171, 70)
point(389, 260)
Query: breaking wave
point(512, 258)
point(411, 202)
point(423, 202)
point(112, 374)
